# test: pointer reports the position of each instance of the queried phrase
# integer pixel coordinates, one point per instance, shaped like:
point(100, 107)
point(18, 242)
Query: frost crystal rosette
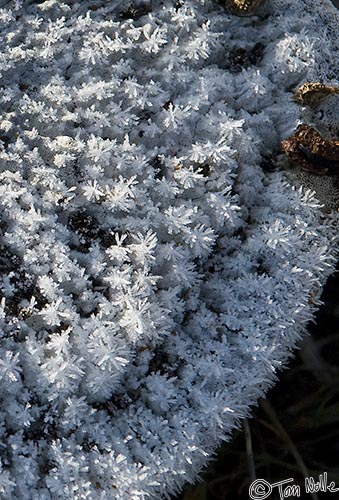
point(153, 275)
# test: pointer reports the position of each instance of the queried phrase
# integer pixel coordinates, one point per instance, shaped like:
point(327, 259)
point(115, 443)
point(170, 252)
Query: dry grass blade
point(280, 431)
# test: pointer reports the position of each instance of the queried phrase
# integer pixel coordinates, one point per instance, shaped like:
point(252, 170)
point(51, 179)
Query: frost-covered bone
point(153, 276)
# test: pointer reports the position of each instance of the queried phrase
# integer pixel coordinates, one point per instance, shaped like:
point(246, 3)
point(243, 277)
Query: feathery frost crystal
point(153, 274)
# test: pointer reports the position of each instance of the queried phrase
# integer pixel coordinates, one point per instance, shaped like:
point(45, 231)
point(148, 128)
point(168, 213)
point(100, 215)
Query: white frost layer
point(153, 276)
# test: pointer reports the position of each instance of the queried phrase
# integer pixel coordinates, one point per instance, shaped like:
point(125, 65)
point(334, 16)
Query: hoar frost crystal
point(153, 275)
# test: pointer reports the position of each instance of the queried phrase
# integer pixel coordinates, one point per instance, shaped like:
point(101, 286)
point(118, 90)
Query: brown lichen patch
point(311, 152)
point(240, 58)
point(311, 93)
point(243, 7)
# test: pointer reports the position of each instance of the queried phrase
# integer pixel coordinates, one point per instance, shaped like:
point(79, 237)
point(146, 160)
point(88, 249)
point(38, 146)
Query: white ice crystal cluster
point(154, 273)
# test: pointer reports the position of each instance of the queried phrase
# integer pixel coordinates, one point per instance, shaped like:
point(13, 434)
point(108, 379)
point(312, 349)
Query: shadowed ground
point(295, 431)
